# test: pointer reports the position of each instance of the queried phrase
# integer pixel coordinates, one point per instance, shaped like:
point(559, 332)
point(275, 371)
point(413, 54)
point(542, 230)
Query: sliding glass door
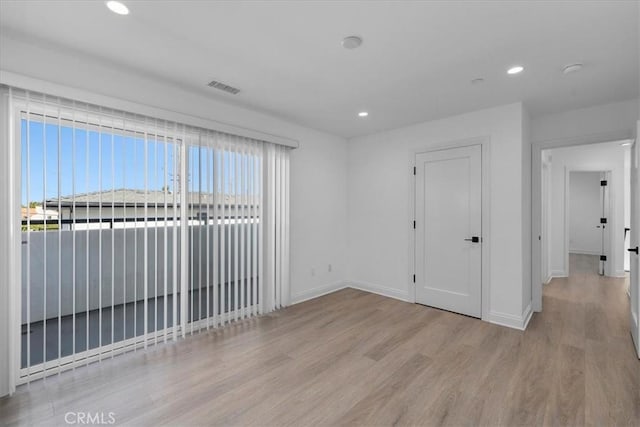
point(100, 236)
point(135, 231)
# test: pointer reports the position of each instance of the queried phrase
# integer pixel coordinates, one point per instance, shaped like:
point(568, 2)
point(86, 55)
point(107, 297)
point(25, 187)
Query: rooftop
point(125, 197)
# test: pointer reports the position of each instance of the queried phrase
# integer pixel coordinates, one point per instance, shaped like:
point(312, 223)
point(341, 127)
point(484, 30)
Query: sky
point(90, 161)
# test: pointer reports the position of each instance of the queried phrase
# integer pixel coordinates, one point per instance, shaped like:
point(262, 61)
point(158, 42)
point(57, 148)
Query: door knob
point(634, 250)
point(474, 239)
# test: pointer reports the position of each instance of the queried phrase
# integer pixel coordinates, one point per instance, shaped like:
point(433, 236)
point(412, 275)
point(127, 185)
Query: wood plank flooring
point(354, 358)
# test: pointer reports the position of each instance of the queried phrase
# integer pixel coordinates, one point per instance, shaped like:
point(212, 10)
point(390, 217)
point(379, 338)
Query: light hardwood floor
point(354, 358)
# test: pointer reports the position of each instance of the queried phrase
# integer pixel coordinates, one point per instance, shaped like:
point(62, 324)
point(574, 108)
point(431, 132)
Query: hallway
point(600, 302)
point(587, 315)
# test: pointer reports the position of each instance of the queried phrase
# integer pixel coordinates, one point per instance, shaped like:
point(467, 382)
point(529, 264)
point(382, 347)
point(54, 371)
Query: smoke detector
point(223, 87)
point(572, 68)
point(351, 42)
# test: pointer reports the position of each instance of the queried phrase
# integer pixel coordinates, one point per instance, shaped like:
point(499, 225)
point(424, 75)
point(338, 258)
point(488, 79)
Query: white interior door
point(635, 242)
point(585, 210)
point(449, 229)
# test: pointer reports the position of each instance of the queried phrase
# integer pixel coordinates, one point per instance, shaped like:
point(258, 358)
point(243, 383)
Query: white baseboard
point(380, 290)
point(619, 274)
point(547, 279)
point(363, 286)
point(318, 292)
point(510, 320)
point(583, 252)
point(503, 319)
point(559, 273)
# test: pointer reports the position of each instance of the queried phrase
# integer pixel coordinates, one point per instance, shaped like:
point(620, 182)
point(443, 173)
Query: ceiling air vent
point(223, 87)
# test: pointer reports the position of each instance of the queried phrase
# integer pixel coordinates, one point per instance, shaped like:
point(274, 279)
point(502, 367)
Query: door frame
point(485, 166)
point(634, 285)
point(11, 240)
point(536, 197)
point(608, 203)
point(545, 263)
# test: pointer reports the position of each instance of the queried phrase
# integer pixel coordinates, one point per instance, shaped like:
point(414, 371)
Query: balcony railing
point(83, 286)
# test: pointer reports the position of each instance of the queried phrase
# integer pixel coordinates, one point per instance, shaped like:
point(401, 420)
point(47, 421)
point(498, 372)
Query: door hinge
point(414, 225)
point(603, 257)
point(414, 170)
point(414, 278)
point(603, 183)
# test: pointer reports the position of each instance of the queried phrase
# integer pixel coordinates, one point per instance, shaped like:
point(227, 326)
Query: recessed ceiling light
point(516, 69)
point(572, 68)
point(117, 7)
point(351, 42)
point(363, 114)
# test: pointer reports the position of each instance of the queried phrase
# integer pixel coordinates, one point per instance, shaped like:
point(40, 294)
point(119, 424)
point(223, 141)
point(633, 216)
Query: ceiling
point(416, 63)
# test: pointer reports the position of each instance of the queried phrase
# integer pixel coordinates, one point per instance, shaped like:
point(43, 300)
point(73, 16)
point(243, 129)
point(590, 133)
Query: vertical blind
point(137, 231)
point(277, 236)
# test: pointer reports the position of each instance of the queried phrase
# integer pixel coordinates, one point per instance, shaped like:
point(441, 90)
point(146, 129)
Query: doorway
point(448, 229)
point(587, 218)
point(582, 208)
point(573, 277)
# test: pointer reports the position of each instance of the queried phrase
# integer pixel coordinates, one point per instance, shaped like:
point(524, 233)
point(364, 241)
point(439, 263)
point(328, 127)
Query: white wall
point(585, 210)
point(593, 157)
point(318, 216)
point(586, 122)
point(526, 210)
point(318, 167)
point(379, 180)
